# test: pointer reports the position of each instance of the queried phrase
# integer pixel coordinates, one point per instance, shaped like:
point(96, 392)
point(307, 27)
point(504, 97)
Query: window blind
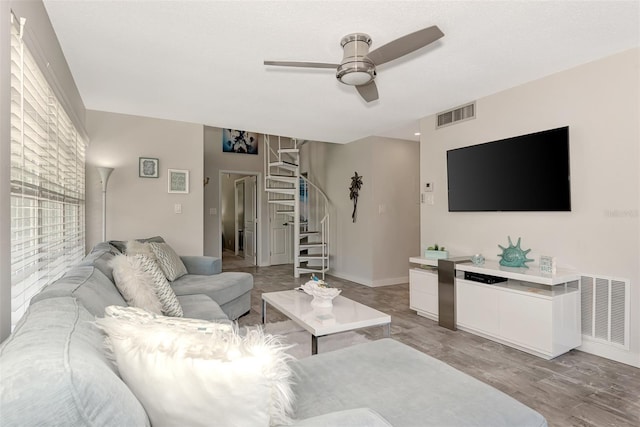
point(47, 181)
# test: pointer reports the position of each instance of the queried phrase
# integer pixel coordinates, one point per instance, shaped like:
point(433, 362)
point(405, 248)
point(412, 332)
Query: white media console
point(531, 311)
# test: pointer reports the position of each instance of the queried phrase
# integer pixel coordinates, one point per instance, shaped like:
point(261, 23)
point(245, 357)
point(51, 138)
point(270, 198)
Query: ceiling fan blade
point(404, 45)
point(301, 64)
point(368, 92)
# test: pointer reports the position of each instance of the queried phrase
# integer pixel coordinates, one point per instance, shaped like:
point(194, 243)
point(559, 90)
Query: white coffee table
point(345, 315)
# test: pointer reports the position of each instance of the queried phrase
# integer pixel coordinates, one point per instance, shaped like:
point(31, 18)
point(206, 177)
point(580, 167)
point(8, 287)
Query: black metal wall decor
point(356, 185)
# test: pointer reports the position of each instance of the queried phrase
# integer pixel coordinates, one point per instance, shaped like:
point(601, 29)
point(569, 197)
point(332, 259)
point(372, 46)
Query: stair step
point(281, 190)
point(312, 257)
point(284, 165)
point(312, 245)
point(313, 270)
point(283, 178)
point(308, 233)
point(283, 202)
point(288, 150)
point(292, 213)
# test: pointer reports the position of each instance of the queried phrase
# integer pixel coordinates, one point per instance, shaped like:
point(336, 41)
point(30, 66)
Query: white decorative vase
point(322, 295)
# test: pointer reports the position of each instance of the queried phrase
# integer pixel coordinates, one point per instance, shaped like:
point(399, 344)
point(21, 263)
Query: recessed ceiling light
point(417, 134)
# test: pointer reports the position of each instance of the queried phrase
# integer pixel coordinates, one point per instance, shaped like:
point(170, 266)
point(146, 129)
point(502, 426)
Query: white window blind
point(47, 181)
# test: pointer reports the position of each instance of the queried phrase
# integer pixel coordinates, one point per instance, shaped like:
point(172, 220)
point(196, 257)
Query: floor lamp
point(104, 177)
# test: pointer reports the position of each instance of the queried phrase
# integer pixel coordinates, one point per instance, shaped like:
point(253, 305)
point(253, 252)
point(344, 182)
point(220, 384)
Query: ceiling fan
point(358, 66)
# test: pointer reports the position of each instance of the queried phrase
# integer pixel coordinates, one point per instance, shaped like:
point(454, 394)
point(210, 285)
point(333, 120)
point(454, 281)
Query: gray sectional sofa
point(54, 371)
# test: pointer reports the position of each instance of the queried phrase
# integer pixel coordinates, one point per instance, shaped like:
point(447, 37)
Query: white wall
point(373, 251)
point(217, 162)
point(142, 207)
point(599, 101)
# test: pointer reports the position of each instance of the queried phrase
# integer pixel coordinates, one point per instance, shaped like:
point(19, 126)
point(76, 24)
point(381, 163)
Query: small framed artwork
point(547, 264)
point(147, 167)
point(178, 181)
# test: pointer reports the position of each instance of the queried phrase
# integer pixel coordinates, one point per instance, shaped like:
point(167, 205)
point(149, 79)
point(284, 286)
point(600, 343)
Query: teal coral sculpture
point(513, 256)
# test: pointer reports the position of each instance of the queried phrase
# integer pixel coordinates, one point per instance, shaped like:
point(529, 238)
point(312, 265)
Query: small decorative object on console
point(547, 264)
point(322, 293)
point(477, 259)
point(514, 256)
point(436, 252)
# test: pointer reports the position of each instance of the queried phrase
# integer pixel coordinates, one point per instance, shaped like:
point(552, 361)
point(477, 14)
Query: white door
point(280, 229)
point(250, 209)
point(239, 217)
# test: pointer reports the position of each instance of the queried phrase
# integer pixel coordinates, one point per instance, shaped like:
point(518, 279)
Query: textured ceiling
point(201, 61)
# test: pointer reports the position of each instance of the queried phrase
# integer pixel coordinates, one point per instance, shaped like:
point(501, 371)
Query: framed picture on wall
point(239, 141)
point(147, 167)
point(178, 181)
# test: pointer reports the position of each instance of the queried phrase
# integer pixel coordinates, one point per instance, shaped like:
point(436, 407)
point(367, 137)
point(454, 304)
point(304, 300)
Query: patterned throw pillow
point(168, 260)
point(191, 372)
point(170, 304)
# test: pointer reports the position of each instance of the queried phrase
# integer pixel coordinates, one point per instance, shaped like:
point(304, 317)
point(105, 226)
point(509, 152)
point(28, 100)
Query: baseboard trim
point(391, 281)
point(609, 352)
point(368, 282)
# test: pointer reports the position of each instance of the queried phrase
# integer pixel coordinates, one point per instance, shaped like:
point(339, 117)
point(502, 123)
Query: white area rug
point(301, 339)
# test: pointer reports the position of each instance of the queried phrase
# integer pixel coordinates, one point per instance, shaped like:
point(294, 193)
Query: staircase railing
point(318, 219)
point(303, 201)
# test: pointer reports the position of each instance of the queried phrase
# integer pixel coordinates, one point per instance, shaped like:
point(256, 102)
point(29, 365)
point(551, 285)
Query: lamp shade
point(104, 176)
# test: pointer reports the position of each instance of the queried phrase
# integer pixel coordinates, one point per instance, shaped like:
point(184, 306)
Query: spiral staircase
point(304, 205)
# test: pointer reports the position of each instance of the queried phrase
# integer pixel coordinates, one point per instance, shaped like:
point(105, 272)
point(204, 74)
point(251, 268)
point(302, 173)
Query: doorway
point(239, 225)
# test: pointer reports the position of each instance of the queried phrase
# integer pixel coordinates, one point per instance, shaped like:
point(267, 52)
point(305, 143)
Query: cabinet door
point(526, 320)
point(477, 307)
point(423, 291)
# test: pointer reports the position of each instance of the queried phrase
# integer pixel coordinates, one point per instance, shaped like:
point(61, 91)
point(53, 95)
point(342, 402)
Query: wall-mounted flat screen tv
point(523, 173)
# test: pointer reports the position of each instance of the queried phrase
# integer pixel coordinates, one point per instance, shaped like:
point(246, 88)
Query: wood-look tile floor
point(575, 389)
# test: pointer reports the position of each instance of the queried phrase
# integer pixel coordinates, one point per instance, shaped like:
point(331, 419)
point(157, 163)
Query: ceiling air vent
point(458, 114)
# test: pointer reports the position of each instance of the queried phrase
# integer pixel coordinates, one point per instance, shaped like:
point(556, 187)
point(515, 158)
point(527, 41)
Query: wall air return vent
point(458, 114)
point(605, 310)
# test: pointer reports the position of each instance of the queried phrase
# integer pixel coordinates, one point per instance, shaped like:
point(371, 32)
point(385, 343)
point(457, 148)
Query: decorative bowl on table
point(322, 293)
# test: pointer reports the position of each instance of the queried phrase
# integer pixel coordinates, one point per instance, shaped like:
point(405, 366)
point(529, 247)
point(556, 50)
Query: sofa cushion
point(222, 288)
point(54, 372)
point(360, 417)
point(203, 265)
point(101, 259)
point(405, 386)
point(89, 285)
point(197, 373)
point(201, 307)
point(121, 245)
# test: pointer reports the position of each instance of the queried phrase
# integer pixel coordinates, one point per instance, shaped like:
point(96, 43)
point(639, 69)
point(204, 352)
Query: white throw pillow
point(135, 247)
point(168, 260)
point(170, 304)
point(135, 283)
point(195, 373)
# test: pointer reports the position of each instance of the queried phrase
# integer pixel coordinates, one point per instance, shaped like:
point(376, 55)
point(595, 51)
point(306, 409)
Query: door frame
point(259, 192)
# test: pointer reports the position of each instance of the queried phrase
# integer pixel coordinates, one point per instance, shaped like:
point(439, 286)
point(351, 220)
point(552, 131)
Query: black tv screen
point(523, 173)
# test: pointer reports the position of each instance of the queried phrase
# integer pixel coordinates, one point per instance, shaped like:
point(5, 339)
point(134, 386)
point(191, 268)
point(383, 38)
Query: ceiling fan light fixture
point(356, 69)
point(355, 78)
